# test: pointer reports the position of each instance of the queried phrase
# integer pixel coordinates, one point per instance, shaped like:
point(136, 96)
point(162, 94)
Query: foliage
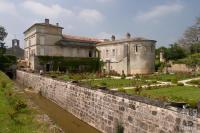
point(117, 83)
point(180, 84)
point(138, 90)
point(73, 76)
point(72, 64)
point(6, 61)
point(174, 52)
point(192, 60)
point(15, 116)
point(3, 35)
point(195, 48)
point(159, 65)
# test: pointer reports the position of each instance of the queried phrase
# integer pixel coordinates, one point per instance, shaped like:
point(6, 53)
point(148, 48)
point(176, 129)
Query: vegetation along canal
point(64, 119)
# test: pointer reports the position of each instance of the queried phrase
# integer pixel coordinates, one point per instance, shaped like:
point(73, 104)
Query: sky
point(162, 20)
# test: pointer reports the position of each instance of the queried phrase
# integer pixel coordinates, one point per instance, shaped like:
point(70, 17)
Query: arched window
point(90, 53)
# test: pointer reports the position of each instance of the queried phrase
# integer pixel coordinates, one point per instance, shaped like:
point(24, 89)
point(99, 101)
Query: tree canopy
point(191, 36)
point(174, 52)
point(3, 35)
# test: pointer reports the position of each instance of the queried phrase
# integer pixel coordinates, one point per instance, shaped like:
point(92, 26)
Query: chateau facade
point(45, 39)
point(128, 56)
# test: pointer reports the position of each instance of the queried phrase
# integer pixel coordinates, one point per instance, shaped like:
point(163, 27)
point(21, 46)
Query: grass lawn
point(168, 77)
point(15, 116)
point(186, 94)
point(116, 83)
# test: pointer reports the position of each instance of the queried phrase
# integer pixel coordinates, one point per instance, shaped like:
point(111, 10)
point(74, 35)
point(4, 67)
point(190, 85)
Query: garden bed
point(188, 94)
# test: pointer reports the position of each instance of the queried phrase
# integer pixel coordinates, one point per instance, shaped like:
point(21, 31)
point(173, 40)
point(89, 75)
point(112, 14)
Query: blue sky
point(161, 20)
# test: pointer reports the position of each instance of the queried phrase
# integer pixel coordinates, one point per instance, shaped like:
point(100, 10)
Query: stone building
point(129, 56)
point(45, 39)
point(15, 50)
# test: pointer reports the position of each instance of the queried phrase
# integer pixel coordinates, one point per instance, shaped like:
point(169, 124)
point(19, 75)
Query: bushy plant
point(138, 90)
point(180, 84)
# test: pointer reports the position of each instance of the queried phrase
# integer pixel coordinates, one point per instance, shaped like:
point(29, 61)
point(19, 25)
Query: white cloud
point(159, 11)
point(46, 11)
point(7, 7)
point(90, 16)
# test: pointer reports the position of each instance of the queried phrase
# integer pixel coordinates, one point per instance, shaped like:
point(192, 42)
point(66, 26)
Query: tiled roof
point(81, 39)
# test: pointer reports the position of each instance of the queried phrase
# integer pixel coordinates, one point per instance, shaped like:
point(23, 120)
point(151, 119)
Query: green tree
point(195, 48)
point(174, 52)
point(3, 35)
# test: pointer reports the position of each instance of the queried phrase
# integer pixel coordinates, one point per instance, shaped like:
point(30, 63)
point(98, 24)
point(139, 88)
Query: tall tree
point(3, 35)
point(191, 35)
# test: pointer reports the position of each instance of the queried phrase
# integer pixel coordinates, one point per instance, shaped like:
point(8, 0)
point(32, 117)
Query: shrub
point(138, 90)
point(175, 81)
point(123, 76)
point(180, 84)
point(20, 105)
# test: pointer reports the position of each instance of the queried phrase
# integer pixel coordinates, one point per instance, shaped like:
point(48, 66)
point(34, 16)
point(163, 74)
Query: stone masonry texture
point(106, 111)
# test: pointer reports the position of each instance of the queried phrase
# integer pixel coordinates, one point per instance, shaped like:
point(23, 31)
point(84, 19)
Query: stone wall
point(179, 68)
point(104, 110)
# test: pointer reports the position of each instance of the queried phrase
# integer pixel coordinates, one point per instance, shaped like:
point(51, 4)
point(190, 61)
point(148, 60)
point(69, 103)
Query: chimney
point(113, 38)
point(46, 21)
point(128, 35)
point(57, 24)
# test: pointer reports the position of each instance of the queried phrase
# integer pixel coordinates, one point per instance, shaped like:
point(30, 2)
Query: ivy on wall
point(71, 64)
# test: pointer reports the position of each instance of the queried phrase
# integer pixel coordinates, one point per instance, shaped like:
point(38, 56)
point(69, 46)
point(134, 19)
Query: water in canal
point(64, 119)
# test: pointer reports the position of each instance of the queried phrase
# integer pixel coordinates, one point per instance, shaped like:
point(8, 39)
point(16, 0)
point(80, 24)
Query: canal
point(68, 122)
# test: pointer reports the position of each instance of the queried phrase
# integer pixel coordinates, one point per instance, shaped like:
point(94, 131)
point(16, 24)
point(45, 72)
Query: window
point(136, 48)
point(113, 52)
point(107, 53)
point(90, 53)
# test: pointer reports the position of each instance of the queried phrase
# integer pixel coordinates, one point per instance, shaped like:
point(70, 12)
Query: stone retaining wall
point(105, 111)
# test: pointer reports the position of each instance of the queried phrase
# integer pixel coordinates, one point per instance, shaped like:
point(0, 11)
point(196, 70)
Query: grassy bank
point(15, 115)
